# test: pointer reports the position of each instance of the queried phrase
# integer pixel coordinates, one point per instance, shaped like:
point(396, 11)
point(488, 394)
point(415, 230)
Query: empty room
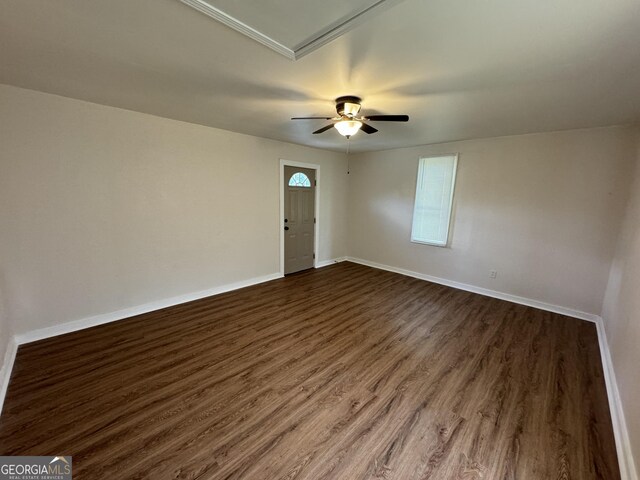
point(340, 240)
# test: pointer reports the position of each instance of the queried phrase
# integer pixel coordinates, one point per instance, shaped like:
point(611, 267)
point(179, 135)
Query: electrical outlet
point(493, 274)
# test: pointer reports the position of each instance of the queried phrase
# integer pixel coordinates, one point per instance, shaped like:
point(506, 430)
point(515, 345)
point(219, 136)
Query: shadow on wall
point(5, 328)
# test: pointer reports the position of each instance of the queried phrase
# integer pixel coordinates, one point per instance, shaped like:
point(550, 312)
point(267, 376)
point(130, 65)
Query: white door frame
point(316, 232)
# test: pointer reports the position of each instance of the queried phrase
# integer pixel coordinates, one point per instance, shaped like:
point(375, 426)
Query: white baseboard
point(620, 431)
point(481, 291)
point(7, 367)
point(81, 324)
point(326, 263)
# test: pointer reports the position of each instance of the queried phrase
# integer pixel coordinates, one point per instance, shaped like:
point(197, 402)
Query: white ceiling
point(460, 69)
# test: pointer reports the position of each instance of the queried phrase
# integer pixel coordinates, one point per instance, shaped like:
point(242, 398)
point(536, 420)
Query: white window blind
point(434, 197)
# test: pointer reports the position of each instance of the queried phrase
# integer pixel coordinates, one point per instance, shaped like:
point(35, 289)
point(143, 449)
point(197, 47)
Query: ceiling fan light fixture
point(348, 127)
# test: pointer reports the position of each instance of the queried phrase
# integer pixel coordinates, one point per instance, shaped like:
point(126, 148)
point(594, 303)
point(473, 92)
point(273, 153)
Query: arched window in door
point(299, 179)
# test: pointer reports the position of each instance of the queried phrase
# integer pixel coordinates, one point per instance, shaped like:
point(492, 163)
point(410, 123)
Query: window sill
point(432, 244)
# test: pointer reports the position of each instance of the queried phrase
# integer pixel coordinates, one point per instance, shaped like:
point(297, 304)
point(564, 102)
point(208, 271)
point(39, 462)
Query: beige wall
point(543, 210)
point(622, 313)
point(103, 209)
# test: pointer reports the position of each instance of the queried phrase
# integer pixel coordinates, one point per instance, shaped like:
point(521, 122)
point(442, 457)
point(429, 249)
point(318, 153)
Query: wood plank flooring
point(340, 373)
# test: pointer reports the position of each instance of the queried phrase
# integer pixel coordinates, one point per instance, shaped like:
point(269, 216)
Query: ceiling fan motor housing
point(348, 106)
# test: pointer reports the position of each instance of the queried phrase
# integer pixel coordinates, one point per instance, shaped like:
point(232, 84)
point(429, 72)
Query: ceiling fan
point(348, 122)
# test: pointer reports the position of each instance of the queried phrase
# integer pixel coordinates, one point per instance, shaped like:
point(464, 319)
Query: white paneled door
point(299, 220)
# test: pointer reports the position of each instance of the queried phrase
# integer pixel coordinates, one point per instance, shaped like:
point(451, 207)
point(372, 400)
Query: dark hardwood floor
point(340, 373)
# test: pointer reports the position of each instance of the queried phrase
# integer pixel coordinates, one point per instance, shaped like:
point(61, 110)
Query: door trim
point(316, 213)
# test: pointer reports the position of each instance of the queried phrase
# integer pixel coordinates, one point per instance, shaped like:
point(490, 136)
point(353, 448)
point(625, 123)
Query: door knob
point(286, 228)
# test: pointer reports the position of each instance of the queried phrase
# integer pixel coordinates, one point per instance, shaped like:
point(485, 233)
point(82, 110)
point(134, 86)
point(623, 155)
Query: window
point(434, 196)
point(299, 179)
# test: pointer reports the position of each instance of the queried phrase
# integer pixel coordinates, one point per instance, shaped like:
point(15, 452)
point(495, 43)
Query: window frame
point(447, 241)
point(306, 178)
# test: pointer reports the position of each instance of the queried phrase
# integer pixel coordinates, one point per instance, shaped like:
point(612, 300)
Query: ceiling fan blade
point(388, 118)
point(323, 129)
point(311, 118)
point(368, 128)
